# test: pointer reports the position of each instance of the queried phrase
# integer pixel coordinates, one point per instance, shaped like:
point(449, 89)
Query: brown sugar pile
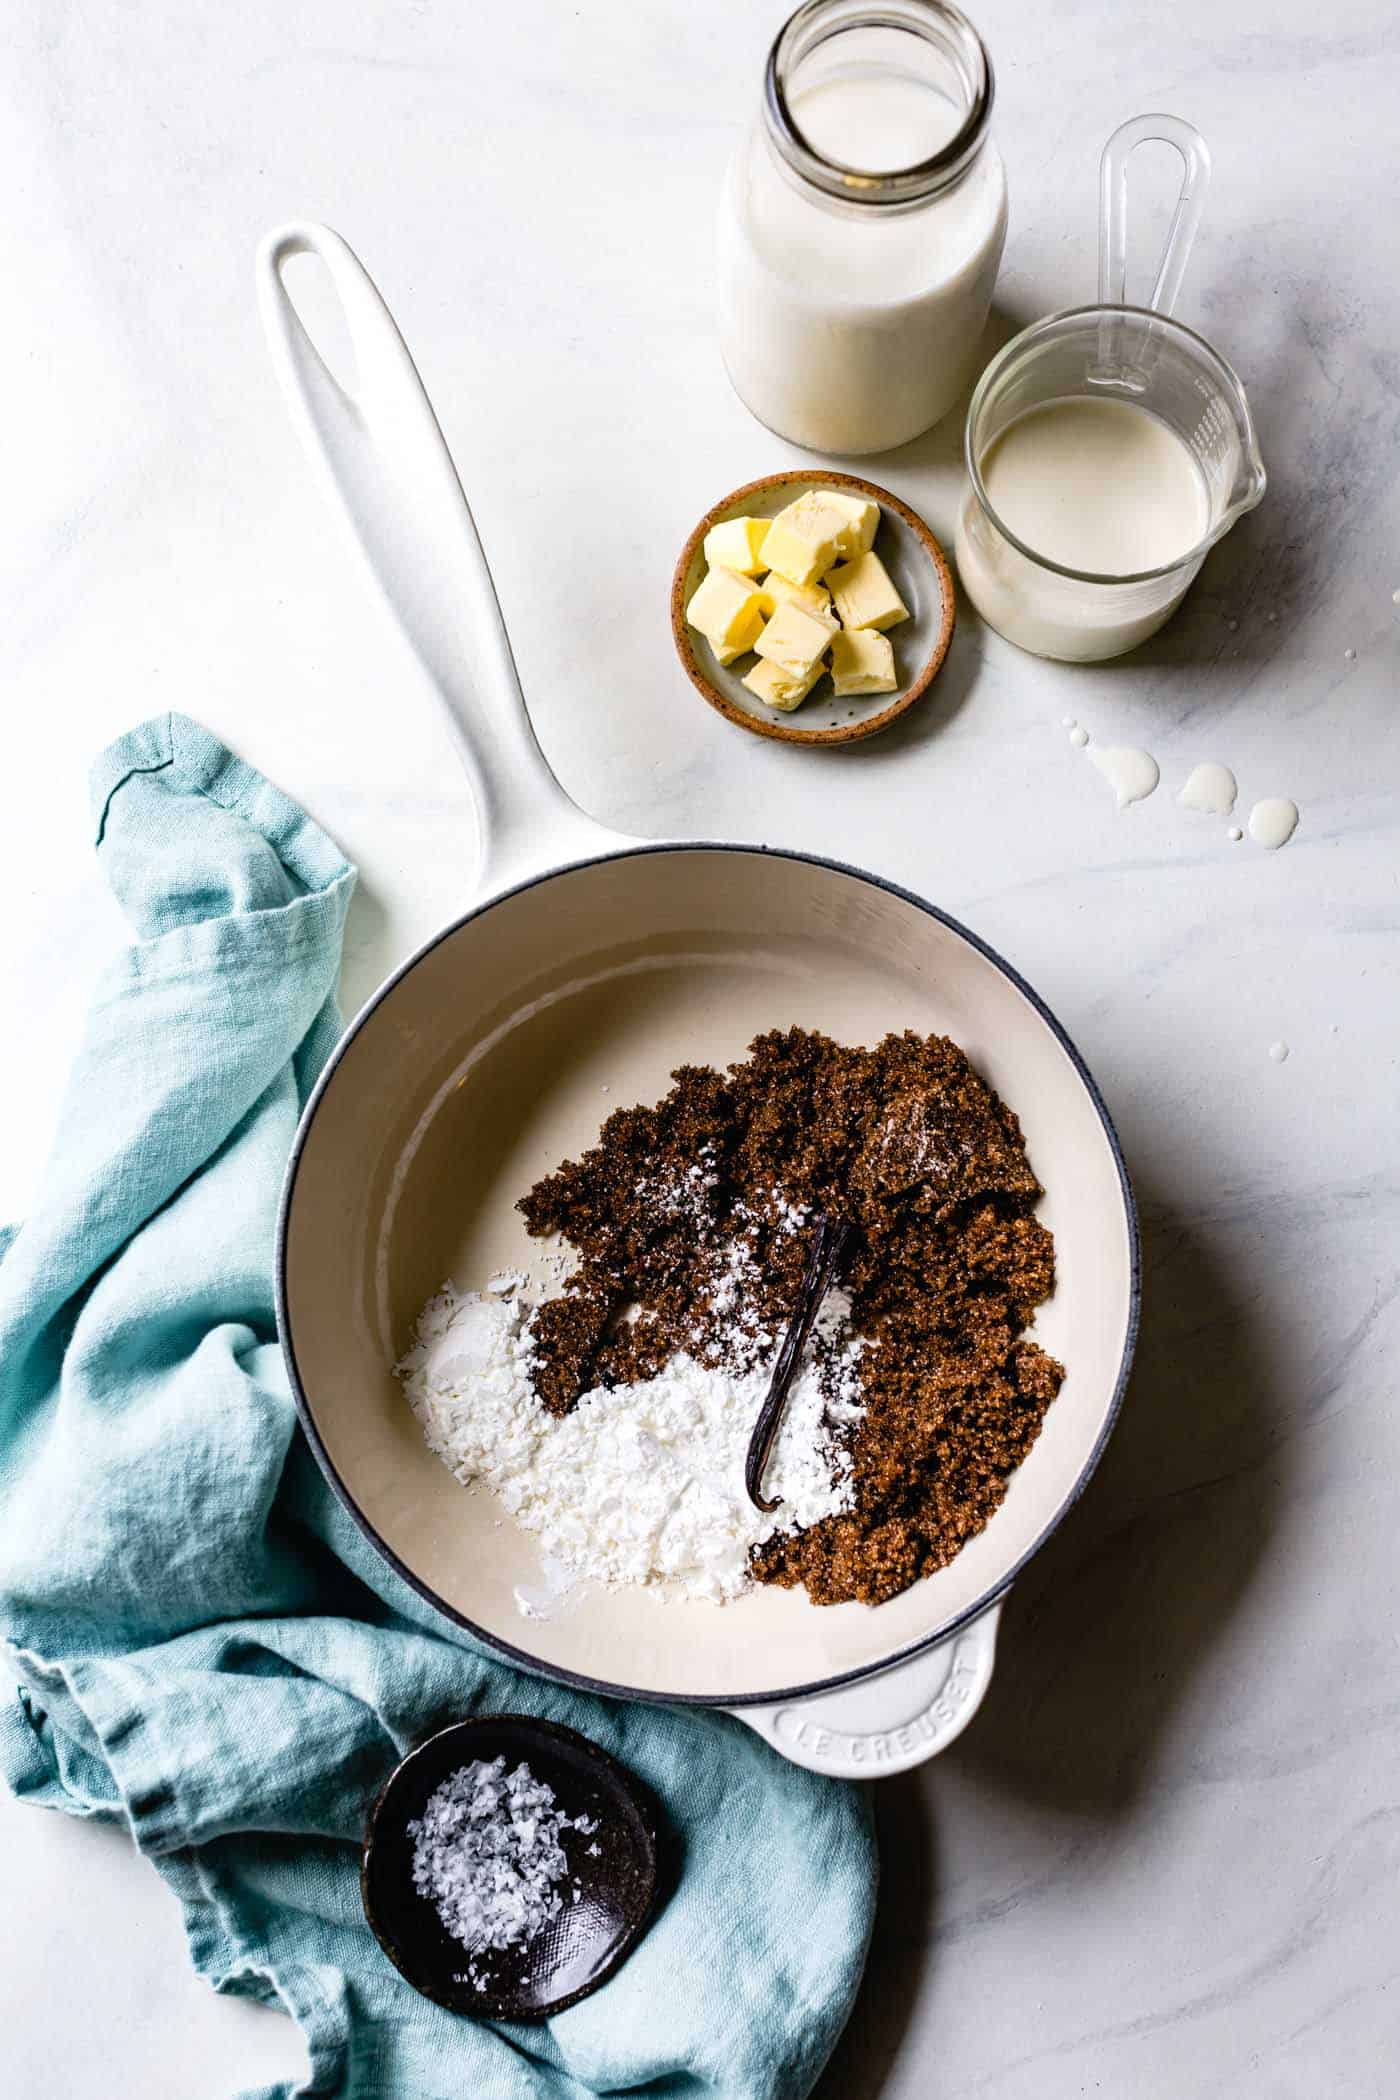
point(693, 1220)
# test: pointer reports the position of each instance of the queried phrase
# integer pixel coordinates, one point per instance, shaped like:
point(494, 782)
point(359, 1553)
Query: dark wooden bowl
point(575, 1952)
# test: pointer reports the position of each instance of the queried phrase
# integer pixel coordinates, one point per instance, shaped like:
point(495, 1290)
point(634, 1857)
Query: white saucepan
point(586, 959)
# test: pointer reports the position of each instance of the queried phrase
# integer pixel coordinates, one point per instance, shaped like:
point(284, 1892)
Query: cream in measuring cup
point(1108, 448)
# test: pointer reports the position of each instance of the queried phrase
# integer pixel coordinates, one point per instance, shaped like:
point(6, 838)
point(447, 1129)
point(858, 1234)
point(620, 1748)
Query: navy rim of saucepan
point(613, 1775)
point(719, 1697)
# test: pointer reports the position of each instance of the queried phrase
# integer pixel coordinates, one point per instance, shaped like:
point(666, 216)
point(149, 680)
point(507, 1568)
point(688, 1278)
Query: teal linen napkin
point(202, 1644)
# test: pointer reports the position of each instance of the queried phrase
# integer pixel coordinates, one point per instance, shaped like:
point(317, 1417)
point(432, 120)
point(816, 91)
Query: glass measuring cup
point(1110, 351)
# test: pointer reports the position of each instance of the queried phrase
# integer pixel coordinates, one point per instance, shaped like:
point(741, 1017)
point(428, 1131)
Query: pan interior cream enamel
point(500, 1051)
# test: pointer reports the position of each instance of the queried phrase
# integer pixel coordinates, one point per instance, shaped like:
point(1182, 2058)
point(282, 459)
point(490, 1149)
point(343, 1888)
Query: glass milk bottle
point(862, 224)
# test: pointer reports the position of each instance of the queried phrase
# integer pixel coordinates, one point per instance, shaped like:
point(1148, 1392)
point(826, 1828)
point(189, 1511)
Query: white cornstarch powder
point(640, 1483)
point(488, 1854)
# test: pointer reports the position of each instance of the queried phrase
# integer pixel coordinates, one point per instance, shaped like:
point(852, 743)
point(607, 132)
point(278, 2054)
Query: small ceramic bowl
point(920, 572)
point(612, 1873)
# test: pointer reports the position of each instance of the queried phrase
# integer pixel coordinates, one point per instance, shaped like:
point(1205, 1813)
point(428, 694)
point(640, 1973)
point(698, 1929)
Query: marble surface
point(1164, 1861)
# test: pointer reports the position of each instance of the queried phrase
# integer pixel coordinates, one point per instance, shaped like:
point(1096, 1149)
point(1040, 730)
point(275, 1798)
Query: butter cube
point(796, 639)
point(737, 544)
point(862, 520)
point(863, 662)
point(778, 688)
point(729, 613)
point(864, 594)
point(813, 597)
point(805, 539)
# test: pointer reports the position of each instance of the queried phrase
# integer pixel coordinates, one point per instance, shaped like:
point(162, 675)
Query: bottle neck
point(877, 105)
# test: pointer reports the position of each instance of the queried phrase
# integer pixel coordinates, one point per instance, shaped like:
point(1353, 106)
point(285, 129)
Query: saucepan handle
point(390, 476)
point(891, 1722)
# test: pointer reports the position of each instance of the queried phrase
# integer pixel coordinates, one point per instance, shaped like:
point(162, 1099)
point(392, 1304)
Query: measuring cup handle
point(1113, 207)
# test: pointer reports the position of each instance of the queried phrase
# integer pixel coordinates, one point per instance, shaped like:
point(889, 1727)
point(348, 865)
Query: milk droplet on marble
point(1234, 834)
point(1211, 789)
point(1273, 821)
point(1078, 737)
point(1278, 1052)
point(1132, 774)
point(1350, 655)
point(1068, 722)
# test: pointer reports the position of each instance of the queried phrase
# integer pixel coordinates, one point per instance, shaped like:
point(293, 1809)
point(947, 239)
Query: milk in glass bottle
point(862, 225)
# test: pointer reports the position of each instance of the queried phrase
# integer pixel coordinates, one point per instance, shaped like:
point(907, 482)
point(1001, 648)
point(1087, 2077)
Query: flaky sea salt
point(643, 1483)
point(488, 1854)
